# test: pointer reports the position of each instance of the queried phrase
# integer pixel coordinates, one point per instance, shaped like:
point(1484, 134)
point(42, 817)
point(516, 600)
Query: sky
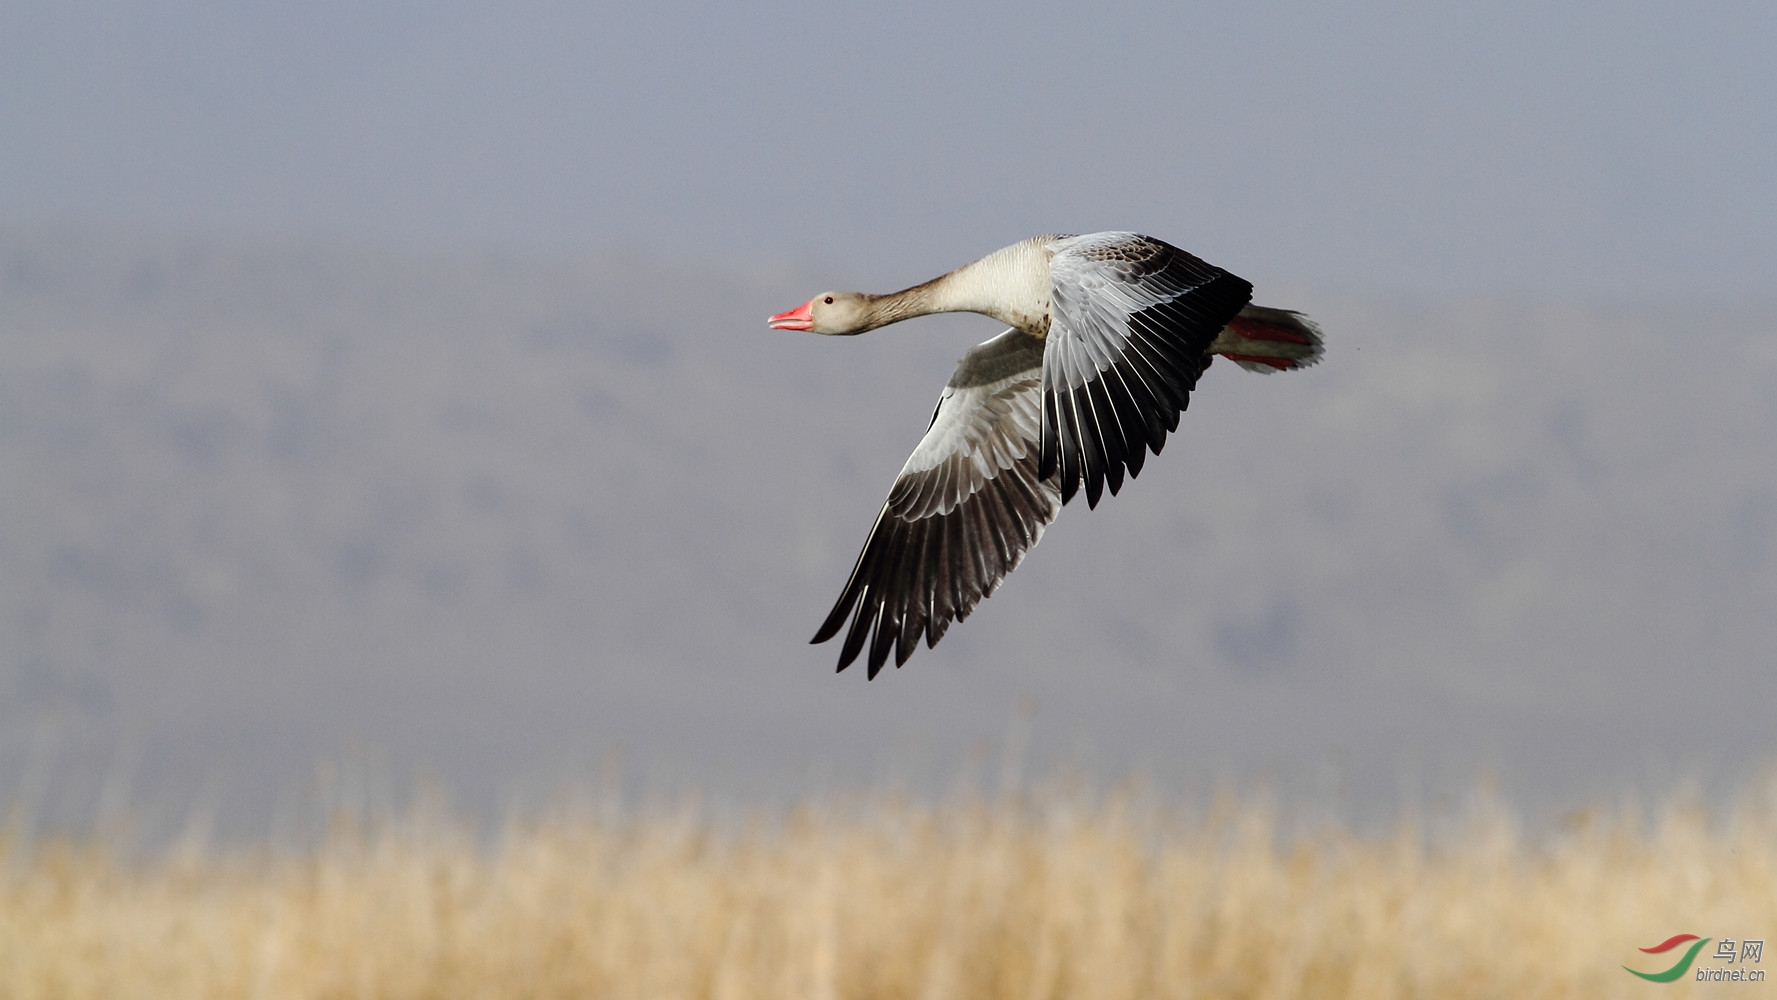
point(1605, 151)
point(393, 376)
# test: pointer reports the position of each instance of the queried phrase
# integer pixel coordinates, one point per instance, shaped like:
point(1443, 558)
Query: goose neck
point(1010, 285)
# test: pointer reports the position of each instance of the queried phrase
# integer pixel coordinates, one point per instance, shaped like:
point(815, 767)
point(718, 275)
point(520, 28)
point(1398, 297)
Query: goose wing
point(1130, 320)
point(963, 512)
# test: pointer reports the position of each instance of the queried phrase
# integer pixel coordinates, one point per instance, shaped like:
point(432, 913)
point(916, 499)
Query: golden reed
point(1051, 895)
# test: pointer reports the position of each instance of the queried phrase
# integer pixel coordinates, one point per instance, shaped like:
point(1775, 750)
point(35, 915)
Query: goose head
point(830, 313)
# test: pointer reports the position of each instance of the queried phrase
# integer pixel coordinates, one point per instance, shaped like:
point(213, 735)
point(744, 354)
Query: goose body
point(1109, 333)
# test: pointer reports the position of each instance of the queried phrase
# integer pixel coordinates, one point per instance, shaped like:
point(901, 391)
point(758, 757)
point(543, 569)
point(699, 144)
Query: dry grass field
point(1060, 894)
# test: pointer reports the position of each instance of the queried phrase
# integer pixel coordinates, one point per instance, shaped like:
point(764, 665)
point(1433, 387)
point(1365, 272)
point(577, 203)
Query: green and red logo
point(1682, 965)
point(1732, 965)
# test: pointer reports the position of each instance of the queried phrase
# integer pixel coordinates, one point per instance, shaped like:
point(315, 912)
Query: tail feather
point(1262, 339)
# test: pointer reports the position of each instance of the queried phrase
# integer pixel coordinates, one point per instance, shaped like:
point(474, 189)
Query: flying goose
point(1109, 333)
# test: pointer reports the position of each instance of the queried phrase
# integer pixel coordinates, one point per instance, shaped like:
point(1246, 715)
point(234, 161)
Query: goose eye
point(828, 300)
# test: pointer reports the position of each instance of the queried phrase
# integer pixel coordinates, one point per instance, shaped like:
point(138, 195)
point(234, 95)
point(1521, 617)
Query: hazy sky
point(1485, 526)
point(1605, 151)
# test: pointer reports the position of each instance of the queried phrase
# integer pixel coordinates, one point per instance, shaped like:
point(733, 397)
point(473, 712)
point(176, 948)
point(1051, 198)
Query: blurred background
point(388, 383)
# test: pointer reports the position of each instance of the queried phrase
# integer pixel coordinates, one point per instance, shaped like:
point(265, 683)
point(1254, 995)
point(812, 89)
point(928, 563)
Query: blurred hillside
point(494, 519)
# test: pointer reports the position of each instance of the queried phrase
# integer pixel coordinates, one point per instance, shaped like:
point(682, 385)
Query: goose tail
point(1262, 339)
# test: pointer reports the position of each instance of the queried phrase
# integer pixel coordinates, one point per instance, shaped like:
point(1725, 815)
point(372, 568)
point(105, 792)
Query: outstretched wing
point(963, 512)
point(1130, 320)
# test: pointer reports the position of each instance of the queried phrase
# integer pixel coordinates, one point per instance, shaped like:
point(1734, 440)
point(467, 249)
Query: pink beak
point(799, 318)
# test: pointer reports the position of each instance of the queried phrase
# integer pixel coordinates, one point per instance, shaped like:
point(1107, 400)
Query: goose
point(1108, 334)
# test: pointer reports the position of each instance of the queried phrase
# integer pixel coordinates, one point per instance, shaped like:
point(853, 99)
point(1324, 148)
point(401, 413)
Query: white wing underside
point(963, 512)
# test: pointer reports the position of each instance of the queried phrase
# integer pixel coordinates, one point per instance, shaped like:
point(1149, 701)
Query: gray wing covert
point(1130, 320)
point(963, 512)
